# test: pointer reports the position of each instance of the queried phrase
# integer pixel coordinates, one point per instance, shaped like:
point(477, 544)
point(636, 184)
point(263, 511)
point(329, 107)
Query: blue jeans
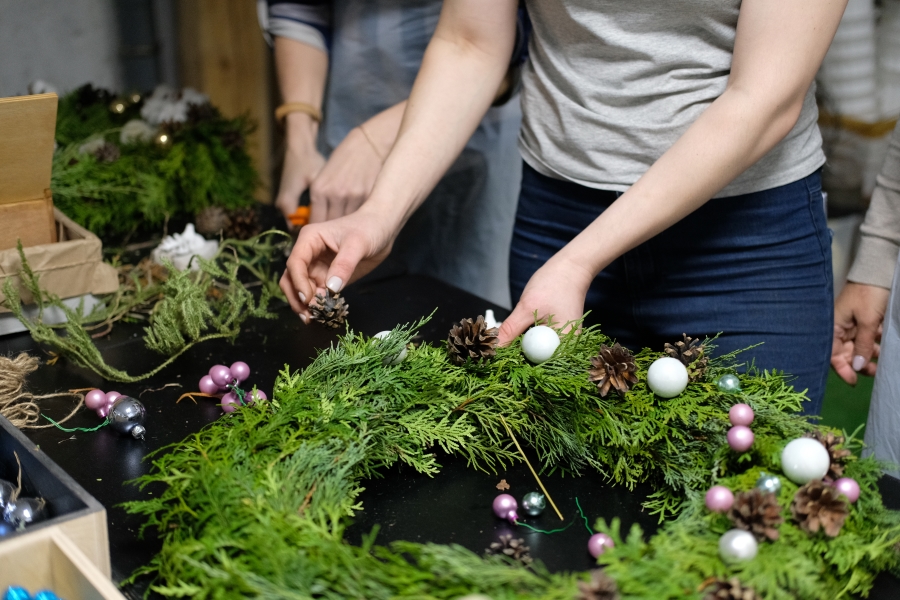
point(756, 268)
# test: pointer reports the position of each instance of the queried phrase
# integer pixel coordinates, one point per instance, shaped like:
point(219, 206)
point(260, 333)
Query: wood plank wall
point(223, 54)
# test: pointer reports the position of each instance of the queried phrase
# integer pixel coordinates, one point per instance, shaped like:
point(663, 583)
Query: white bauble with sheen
point(539, 343)
point(804, 460)
point(667, 377)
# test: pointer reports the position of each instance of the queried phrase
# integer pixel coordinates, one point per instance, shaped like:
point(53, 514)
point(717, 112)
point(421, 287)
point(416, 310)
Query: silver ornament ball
point(768, 483)
point(127, 417)
point(24, 511)
point(737, 545)
point(534, 503)
point(6, 492)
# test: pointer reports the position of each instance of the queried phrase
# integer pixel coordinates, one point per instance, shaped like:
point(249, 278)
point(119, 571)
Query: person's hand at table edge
point(858, 317)
point(557, 290)
point(333, 254)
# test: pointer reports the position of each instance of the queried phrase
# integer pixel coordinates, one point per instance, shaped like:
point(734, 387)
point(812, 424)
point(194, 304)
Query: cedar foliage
point(205, 165)
point(256, 503)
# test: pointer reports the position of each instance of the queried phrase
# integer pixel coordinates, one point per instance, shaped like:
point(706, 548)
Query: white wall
point(64, 42)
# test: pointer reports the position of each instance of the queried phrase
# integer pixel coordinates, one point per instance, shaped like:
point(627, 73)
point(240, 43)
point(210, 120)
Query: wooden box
point(72, 512)
point(49, 560)
point(27, 131)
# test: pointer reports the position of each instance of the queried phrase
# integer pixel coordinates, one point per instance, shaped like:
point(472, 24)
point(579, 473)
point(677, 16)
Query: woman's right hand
point(302, 164)
point(333, 254)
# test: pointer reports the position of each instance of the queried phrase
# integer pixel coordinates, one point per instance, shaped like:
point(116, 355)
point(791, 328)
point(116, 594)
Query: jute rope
point(17, 404)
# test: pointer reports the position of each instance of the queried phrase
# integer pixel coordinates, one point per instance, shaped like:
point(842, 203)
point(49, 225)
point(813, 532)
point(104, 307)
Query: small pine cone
point(330, 310)
point(243, 224)
point(600, 587)
point(692, 355)
point(731, 590)
point(818, 505)
point(757, 512)
point(613, 368)
point(838, 455)
point(107, 153)
point(472, 340)
point(212, 220)
point(514, 548)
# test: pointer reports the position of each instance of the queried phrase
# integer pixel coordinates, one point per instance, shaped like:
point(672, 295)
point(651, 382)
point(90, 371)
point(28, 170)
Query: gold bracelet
point(290, 107)
point(371, 143)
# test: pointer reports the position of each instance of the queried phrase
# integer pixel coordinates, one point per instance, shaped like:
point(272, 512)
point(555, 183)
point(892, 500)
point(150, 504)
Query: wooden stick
point(533, 472)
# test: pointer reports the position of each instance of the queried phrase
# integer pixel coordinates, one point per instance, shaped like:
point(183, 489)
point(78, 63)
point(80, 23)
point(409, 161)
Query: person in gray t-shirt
point(664, 106)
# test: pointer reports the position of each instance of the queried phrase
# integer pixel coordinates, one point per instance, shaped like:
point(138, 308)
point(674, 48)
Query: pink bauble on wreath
point(719, 499)
point(95, 399)
point(740, 438)
point(599, 543)
point(741, 414)
point(848, 487)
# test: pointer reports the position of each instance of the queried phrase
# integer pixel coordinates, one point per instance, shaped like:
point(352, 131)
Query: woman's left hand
point(858, 319)
point(554, 295)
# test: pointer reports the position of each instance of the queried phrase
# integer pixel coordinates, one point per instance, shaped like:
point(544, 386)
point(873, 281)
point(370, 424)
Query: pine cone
point(818, 505)
point(514, 548)
point(613, 368)
point(731, 590)
point(212, 220)
point(243, 224)
point(600, 587)
point(472, 340)
point(330, 310)
point(838, 455)
point(692, 355)
point(107, 153)
point(757, 512)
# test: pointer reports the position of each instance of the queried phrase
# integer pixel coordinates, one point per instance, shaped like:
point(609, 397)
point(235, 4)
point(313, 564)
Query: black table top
point(453, 507)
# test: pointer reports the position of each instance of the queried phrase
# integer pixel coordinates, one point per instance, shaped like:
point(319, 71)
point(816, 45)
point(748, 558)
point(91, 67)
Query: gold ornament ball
point(163, 140)
point(118, 106)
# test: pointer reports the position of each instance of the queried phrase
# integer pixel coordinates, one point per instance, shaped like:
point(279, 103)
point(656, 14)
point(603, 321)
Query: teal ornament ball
point(534, 503)
point(768, 483)
point(729, 383)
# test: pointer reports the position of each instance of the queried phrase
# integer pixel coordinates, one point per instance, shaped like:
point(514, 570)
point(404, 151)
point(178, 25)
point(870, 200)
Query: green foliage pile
point(256, 503)
point(184, 309)
point(204, 164)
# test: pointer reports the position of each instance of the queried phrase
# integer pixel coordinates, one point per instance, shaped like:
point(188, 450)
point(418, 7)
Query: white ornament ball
point(804, 460)
point(737, 545)
point(539, 343)
point(398, 358)
point(667, 377)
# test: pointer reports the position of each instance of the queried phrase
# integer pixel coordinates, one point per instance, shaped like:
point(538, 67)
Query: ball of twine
point(19, 405)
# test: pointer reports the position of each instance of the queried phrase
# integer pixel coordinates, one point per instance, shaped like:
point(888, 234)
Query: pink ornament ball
point(240, 371)
point(599, 543)
point(740, 438)
point(103, 411)
point(719, 499)
point(740, 414)
point(230, 402)
point(111, 397)
point(221, 375)
point(95, 399)
point(208, 386)
point(848, 487)
point(251, 397)
point(505, 507)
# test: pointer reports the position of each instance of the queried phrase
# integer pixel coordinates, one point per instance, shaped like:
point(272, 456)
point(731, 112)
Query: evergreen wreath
point(256, 503)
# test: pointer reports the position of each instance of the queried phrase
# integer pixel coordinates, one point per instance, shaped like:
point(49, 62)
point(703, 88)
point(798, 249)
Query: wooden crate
point(72, 511)
point(27, 131)
point(49, 560)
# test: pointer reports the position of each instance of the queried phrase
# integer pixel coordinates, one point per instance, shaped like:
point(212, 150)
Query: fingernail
point(305, 319)
point(335, 283)
point(302, 297)
point(858, 362)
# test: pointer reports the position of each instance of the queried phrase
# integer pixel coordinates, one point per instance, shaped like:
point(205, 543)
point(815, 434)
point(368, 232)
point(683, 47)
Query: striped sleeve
point(306, 21)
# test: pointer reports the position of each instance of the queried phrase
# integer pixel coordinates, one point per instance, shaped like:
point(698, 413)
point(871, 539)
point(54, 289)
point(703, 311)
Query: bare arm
point(301, 71)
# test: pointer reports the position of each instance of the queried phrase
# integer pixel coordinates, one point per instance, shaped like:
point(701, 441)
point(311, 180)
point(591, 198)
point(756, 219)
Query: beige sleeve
point(880, 232)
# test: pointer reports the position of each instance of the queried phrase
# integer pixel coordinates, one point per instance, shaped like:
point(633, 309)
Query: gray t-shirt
point(612, 84)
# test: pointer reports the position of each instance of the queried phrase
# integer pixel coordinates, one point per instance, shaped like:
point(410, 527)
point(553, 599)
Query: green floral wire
point(581, 512)
point(71, 429)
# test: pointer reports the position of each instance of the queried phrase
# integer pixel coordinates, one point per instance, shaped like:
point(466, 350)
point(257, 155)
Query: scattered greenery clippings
point(184, 309)
point(204, 163)
point(256, 503)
